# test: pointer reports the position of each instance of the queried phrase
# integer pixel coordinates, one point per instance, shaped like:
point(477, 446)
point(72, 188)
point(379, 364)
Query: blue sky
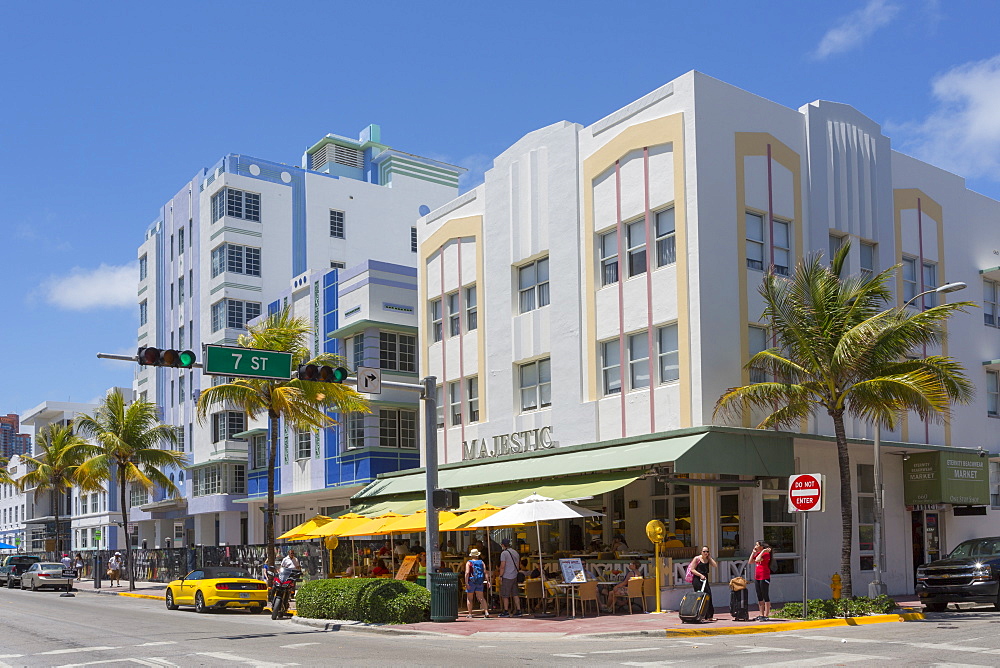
point(108, 108)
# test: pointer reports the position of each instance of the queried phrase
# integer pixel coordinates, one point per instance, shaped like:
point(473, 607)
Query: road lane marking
point(649, 663)
point(10, 656)
point(571, 656)
point(158, 642)
point(298, 645)
point(753, 649)
point(827, 660)
point(224, 656)
point(623, 651)
point(77, 649)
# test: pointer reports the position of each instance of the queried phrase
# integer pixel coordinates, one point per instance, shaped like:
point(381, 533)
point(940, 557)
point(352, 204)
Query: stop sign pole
point(806, 494)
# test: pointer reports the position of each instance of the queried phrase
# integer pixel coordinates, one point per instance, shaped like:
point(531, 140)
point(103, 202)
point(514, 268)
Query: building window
point(472, 396)
point(180, 241)
point(143, 268)
point(536, 384)
point(397, 428)
point(227, 423)
point(336, 224)
point(672, 506)
point(991, 296)
point(171, 302)
point(666, 246)
point(303, 445)
point(190, 333)
point(236, 204)
point(729, 517)
point(635, 238)
point(993, 393)
point(180, 336)
point(757, 342)
point(609, 258)
point(180, 392)
point(439, 402)
point(834, 242)
point(180, 290)
point(358, 350)
point(143, 312)
point(258, 452)
point(413, 240)
point(454, 315)
point(667, 353)
point(436, 319)
point(755, 241)
point(866, 516)
point(171, 247)
point(779, 526)
point(868, 259)
point(455, 403)
point(337, 265)
point(471, 311)
point(138, 496)
point(638, 360)
point(611, 367)
point(355, 431)
point(397, 352)
point(782, 247)
point(909, 270)
point(930, 282)
point(190, 282)
point(180, 438)
point(237, 259)
point(219, 479)
point(94, 500)
point(233, 313)
point(533, 285)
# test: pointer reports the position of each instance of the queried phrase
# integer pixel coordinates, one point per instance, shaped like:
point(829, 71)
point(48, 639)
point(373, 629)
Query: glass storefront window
point(672, 506)
point(729, 523)
point(866, 516)
point(780, 526)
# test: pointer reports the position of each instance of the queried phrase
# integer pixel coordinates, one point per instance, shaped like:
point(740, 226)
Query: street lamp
point(876, 587)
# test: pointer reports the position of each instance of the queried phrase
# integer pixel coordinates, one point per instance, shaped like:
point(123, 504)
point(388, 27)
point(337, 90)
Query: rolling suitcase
point(693, 606)
point(739, 598)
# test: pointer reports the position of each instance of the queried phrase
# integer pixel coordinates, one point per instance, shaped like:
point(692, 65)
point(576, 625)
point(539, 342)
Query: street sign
point(369, 380)
point(97, 534)
point(133, 527)
point(247, 362)
point(805, 492)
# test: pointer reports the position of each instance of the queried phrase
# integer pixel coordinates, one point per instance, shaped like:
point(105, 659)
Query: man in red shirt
point(761, 559)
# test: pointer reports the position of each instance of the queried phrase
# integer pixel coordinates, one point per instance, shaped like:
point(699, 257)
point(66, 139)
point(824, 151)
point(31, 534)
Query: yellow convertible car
point(216, 588)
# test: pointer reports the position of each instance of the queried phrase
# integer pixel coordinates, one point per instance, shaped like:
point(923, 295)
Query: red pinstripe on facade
point(622, 367)
point(649, 288)
point(461, 346)
point(444, 359)
point(920, 269)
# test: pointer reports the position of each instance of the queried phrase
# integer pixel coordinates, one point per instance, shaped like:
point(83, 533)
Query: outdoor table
point(572, 594)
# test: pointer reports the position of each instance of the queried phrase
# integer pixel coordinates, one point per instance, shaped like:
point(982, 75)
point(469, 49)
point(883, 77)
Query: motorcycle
point(282, 590)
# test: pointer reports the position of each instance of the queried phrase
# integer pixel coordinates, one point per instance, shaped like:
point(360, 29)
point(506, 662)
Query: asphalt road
point(42, 629)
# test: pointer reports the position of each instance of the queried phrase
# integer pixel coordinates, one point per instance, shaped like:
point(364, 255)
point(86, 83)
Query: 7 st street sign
point(247, 362)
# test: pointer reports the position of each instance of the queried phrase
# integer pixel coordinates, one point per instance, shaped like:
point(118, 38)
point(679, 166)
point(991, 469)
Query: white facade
point(616, 268)
point(223, 249)
point(13, 507)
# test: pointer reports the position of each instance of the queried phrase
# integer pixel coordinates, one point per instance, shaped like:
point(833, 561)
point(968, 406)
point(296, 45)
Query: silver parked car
point(45, 574)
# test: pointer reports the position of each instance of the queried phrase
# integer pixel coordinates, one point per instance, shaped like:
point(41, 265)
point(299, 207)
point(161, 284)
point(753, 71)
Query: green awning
point(705, 450)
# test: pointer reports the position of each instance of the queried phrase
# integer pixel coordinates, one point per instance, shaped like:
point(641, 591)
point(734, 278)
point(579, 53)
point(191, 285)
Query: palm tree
point(5, 478)
point(839, 350)
point(56, 469)
point(128, 448)
point(303, 404)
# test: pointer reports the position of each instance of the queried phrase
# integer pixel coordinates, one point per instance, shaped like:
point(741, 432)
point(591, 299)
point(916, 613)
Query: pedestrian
point(508, 580)
point(385, 550)
point(379, 568)
point(699, 567)
point(290, 560)
point(115, 569)
point(619, 592)
point(66, 562)
point(619, 544)
point(78, 565)
point(760, 559)
point(475, 579)
point(401, 550)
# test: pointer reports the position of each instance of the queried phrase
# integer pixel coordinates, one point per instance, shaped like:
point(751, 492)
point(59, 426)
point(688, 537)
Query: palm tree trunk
point(269, 513)
point(55, 513)
point(846, 504)
point(128, 538)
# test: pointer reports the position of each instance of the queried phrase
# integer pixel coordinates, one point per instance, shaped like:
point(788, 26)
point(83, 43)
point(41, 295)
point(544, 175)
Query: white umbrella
point(537, 509)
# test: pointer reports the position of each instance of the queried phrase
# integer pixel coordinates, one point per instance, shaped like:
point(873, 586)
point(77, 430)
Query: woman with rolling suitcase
point(699, 568)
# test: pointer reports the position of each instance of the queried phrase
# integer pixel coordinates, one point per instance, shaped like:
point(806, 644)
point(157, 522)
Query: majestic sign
point(531, 440)
point(805, 492)
point(946, 477)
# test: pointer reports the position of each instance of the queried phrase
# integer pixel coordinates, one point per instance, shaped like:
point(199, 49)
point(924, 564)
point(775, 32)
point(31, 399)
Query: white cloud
point(81, 289)
point(477, 164)
point(962, 134)
point(852, 30)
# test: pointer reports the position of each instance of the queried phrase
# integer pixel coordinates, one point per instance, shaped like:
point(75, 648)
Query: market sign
point(946, 477)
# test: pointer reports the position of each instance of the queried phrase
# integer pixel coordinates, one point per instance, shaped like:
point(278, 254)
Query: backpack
point(478, 571)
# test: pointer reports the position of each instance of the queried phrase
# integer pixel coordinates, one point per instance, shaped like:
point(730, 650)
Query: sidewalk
point(144, 589)
point(638, 624)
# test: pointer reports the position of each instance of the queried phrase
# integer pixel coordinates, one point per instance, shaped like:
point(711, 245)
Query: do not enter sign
point(805, 492)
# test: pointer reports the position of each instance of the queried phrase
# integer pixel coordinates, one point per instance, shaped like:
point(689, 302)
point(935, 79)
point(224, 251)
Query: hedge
point(371, 600)
point(859, 606)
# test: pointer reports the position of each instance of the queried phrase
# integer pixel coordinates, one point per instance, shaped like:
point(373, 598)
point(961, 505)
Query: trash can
point(444, 596)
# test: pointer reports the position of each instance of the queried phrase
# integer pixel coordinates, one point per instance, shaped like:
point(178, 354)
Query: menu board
point(572, 570)
point(407, 566)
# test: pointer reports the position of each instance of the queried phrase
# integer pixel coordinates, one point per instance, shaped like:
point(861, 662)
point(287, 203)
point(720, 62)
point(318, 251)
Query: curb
point(349, 625)
point(794, 626)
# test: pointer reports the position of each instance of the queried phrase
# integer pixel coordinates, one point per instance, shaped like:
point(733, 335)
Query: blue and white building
point(234, 239)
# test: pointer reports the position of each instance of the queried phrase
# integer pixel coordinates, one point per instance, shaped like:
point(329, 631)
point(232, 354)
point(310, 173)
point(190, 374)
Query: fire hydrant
point(835, 585)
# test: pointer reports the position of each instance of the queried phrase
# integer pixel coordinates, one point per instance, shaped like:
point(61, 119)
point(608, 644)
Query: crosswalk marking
point(225, 656)
point(73, 650)
point(625, 650)
point(826, 660)
point(298, 645)
point(159, 642)
point(753, 649)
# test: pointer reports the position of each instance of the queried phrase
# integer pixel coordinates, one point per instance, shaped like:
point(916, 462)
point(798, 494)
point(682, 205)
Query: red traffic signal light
point(182, 359)
point(322, 374)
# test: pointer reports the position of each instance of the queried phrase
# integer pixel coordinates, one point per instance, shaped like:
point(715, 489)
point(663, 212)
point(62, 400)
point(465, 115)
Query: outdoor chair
point(635, 591)
point(588, 592)
point(532, 592)
point(649, 592)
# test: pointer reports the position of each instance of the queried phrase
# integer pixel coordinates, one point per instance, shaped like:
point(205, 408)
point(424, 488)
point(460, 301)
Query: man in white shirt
point(401, 550)
point(290, 560)
point(66, 562)
point(509, 561)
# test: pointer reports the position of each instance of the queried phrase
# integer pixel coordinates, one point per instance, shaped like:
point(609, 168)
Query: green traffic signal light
point(186, 359)
point(322, 374)
point(149, 356)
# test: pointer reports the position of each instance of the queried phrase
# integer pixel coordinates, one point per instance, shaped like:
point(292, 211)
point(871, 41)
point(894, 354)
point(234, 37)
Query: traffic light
point(183, 359)
point(323, 374)
point(444, 499)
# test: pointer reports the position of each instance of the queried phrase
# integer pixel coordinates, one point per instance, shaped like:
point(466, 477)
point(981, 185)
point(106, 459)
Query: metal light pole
point(429, 397)
point(877, 587)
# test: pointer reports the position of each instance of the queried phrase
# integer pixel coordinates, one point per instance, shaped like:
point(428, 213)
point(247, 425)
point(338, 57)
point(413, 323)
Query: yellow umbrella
point(337, 525)
point(373, 527)
point(416, 523)
point(465, 521)
point(309, 525)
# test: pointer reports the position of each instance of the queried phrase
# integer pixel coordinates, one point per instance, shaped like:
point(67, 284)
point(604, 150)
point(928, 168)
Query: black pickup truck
point(13, 566)
point(970, 574)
